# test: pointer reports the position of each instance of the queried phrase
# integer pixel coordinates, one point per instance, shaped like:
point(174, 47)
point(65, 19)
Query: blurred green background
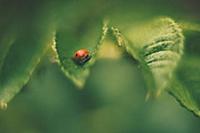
point(113, 100)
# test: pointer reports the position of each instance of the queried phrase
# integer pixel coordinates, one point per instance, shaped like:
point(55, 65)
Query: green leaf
point(86, 35)
point(21, 59)
point(161, 42)
point(158, 46)
point(26, 33)
point(6, 40)
point(186, 88)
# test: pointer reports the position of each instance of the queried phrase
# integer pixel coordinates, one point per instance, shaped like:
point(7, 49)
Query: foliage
point(156, 43)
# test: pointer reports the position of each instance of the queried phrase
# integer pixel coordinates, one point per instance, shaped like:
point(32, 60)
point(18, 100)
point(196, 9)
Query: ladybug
point(81, 56)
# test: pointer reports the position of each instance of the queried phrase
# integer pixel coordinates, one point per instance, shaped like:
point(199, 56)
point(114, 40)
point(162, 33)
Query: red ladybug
point(81, 56)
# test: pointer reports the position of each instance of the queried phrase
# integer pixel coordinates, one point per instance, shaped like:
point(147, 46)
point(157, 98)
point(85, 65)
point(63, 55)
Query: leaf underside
point(158, 46)
point(185, 88)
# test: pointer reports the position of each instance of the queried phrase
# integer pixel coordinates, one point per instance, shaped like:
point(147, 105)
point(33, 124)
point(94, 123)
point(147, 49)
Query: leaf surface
point(70, 40)
point(186, 87)
point(158, 46)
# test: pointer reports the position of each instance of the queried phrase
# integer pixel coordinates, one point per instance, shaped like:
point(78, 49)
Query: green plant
point(157, 45)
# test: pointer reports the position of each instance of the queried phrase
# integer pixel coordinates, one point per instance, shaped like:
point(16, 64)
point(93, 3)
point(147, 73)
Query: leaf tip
point(3, 105)
point(79, 84)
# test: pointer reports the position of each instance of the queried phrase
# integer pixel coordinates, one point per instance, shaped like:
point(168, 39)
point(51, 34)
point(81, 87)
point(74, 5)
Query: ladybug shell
point(81, 56)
